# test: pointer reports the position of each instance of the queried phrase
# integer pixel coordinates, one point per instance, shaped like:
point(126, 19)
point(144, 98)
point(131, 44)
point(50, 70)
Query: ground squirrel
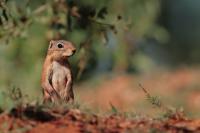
point(56, 78)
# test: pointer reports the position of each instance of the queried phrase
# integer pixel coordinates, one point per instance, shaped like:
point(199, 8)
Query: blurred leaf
point(23, 19)
point(5, 14)
point(1, 22)
point(86, 12)
point(102, 13)
point(119, 17)
point(113, 28)
point(55, 24)
point(69, 22)
point(70, 3)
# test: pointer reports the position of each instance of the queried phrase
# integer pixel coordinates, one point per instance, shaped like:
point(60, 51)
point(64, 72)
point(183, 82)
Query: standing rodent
point(56, 78)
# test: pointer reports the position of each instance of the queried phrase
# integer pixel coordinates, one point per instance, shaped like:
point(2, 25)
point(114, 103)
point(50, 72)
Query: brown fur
point(56, 78)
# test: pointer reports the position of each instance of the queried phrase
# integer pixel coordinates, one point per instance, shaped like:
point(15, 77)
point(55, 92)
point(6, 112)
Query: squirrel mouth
point(68, 54)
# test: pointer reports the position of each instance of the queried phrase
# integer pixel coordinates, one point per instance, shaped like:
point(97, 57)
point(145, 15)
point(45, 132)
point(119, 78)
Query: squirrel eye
point(60, 45)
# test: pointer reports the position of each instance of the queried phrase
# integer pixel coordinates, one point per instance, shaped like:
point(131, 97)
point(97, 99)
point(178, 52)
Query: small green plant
point(12, 98)
point(168, 112)
point(114, 110)
point(16, 95)
point(154, 100)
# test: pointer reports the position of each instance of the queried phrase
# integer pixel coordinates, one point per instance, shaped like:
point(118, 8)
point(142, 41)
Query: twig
point(145, 91)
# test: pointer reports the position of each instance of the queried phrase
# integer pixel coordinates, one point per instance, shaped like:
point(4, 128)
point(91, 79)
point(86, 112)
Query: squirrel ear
point(51, 44)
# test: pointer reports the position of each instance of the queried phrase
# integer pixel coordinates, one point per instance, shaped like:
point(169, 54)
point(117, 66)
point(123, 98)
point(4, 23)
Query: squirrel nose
point(74, 50)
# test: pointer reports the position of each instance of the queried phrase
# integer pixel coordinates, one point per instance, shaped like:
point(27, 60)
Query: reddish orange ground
point(31, 120)
point(177, 88)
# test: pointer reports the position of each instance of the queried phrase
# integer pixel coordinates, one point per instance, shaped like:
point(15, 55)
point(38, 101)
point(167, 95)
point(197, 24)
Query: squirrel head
point(61, 49)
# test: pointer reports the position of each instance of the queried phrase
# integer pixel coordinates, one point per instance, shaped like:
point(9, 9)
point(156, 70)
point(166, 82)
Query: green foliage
point(12, 98)
point(97, 28)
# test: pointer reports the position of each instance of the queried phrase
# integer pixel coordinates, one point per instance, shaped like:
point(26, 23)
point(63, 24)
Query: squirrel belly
point(61, 77)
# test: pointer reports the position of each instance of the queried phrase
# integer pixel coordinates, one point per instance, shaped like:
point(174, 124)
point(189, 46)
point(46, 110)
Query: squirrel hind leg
point(69, 100)
point(46, 97)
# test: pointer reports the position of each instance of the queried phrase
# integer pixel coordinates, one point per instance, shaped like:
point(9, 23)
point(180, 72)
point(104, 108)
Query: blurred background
point(119, 45)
